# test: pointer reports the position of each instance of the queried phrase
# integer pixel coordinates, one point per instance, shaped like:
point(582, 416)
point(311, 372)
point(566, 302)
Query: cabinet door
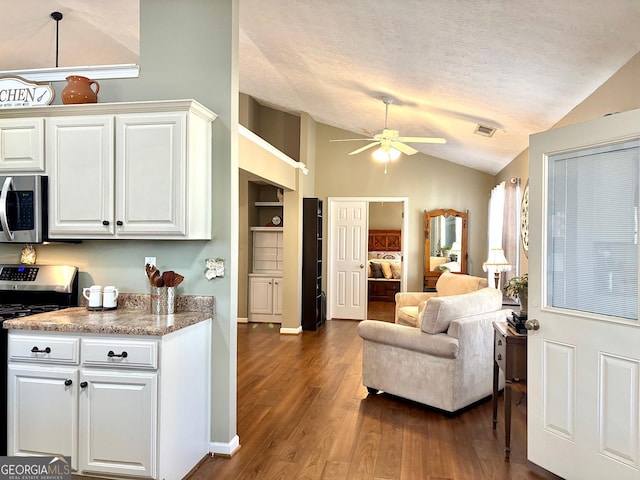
point(261, 295)
point(80, 152)
point(118, 416)
point(42, 411)
point(22, 145)
point(277, 295)
point(151, 168)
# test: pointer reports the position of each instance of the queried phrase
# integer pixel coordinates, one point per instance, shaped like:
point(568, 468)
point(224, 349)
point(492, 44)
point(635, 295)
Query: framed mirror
point(445, 244)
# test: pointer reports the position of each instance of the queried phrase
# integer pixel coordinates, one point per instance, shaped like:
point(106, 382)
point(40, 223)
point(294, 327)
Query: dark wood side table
point(510, 356)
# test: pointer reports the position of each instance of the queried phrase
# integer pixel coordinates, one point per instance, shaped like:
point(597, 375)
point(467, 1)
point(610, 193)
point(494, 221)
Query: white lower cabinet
point(42, 411)
point(118, 413)
point(126, 408)
point(265, 298)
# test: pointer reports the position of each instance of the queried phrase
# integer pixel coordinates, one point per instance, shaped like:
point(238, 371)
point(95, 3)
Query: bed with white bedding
point(384, 271)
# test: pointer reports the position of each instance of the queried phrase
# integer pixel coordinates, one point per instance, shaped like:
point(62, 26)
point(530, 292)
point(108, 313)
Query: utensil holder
point(163, 300)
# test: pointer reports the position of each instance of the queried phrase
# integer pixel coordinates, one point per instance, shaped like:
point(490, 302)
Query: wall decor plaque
point(16, 92)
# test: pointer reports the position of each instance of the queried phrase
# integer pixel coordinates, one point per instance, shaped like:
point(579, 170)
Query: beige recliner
point(446, 362)
point(410, 304)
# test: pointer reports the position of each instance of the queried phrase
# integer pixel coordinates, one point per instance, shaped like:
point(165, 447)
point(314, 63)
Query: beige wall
point(280, 129)
point(248, 112)
point(385, 215)
point(618, 94)
point(429, 183)
point(308, 154)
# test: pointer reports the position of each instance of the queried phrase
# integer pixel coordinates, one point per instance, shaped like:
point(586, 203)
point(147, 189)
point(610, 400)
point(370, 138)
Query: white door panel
point(583, 362)
point(349, 235)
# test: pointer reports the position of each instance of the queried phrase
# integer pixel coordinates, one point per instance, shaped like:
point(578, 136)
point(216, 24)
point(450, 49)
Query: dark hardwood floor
point(303, 413)
point(384, 311)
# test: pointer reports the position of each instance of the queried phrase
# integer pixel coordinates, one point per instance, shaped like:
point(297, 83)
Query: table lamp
point(496, 262)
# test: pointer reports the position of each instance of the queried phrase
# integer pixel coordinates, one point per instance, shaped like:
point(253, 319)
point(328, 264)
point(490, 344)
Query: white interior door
point(584, 360)
point(348, 257)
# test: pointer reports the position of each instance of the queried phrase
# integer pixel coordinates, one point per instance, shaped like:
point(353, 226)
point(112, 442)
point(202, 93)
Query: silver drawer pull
point(37, 350)
point(122, 355)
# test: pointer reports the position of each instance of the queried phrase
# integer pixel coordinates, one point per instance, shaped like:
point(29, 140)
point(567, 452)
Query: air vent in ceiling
point(484, 130)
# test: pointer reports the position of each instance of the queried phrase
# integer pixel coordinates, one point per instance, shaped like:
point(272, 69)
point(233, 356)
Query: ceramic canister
point(110, 297)
point(94, 295)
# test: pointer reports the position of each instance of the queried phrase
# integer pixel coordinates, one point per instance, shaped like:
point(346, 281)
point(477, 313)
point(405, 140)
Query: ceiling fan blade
point(406, 149)
point(362, 149)
point(422, 139)
point(352, 140)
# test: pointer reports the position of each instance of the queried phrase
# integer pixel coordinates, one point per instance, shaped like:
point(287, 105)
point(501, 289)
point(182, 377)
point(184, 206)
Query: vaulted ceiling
point(513, 65)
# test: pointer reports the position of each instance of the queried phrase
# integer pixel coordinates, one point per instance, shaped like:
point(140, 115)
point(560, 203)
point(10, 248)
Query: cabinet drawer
point(120, 353)
point(44, 348)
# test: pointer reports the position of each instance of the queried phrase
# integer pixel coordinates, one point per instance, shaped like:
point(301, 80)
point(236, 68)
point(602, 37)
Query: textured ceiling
point(448, 64)
point(519, 66)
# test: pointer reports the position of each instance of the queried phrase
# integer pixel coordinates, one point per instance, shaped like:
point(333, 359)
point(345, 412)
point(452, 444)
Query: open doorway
point(356, 267)
point(384, 252)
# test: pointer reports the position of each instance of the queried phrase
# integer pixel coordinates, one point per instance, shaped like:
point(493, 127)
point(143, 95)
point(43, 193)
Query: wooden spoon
point(177, 279)
point(169, 278)
point(156, 279)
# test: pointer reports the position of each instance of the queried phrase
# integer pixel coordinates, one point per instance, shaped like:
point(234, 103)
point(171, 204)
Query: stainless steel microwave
point(23, 209)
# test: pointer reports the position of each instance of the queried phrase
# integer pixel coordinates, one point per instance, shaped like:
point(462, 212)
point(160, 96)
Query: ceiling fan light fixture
point(386, 154)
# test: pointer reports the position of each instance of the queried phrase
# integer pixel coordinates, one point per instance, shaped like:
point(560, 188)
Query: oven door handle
point(4, 219)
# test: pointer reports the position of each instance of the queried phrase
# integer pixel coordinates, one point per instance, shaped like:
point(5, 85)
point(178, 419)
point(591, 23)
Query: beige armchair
point(446, 362)
point(410, 304)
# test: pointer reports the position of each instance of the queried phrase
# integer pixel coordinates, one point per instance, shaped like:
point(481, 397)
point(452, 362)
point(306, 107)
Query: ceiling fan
point(390, 140)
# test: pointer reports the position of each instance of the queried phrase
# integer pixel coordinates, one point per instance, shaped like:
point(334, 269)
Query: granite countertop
point(132, 317)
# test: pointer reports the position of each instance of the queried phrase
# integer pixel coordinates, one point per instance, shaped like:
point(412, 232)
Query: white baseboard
point(225, 449)
point(243, 320)
point(291, 331)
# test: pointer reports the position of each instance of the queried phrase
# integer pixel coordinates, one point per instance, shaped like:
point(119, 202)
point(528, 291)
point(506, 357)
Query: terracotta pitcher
point(78, 90)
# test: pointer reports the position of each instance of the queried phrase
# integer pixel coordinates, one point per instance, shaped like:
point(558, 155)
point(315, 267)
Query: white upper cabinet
point(80, 155)
point(21, 145)
point(126, 170)
point(151, 174)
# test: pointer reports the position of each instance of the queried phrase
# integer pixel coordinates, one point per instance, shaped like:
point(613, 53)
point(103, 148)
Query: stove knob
point(67, 382)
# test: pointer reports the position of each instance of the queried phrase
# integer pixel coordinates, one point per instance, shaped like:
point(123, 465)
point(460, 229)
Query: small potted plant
point(518, 287)
point(445, 251)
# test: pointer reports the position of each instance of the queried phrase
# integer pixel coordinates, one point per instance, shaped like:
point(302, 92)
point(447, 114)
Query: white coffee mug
point(110, 297)
point(94, 295)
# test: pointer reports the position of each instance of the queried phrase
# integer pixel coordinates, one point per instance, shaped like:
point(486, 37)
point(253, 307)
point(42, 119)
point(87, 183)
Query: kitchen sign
point(16, 92)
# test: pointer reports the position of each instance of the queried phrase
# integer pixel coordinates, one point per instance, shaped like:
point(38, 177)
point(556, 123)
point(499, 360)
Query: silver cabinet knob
point(532, 324)
point(361, 265)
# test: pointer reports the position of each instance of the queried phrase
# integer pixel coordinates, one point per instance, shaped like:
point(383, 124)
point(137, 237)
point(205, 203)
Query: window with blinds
point(592, 230)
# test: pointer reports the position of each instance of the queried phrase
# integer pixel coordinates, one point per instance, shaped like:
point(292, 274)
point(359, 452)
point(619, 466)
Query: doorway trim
point(330, 232)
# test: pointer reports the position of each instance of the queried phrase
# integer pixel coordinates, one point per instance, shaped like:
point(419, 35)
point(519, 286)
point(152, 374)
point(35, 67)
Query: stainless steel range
point(27, 290)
